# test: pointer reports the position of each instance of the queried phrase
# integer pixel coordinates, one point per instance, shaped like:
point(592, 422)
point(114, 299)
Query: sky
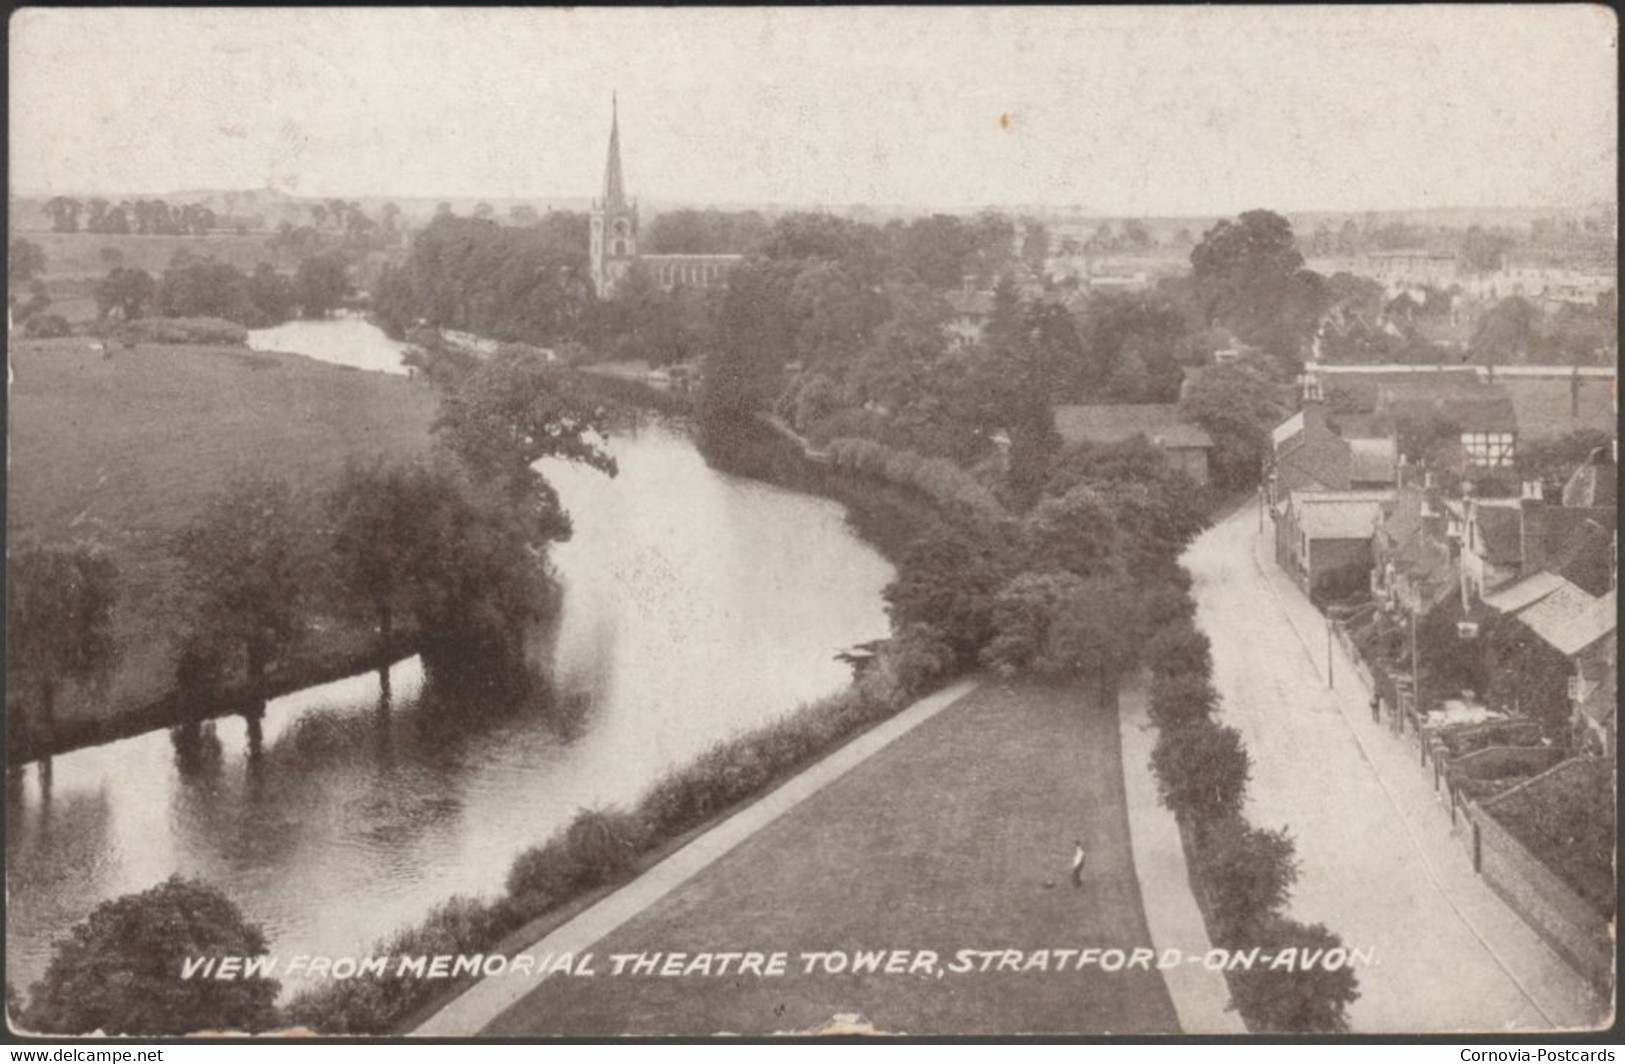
point(1144, 111)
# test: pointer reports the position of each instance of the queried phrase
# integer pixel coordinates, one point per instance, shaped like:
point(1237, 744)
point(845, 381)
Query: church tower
point(614, 238)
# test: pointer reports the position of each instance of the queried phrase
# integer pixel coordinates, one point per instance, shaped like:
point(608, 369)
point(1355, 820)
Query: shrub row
point(1243, 874)
point(602, 847)
point(181, 331)
point(944, 483)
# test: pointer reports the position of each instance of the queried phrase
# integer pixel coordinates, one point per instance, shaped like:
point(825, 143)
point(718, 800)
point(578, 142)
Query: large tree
point(1249, 277)
point(24, 260)
point(1237, 404)
point(120, 970)
point(59, 622)
point(127, 290)
point(246, 576)
point(320, 284)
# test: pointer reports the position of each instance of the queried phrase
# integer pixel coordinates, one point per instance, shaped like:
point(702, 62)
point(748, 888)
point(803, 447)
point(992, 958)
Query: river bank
point(124, 453)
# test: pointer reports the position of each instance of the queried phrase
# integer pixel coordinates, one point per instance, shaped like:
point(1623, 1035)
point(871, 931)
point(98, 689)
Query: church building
point(614, 238)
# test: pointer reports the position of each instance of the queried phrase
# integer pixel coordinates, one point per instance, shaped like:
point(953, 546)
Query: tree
point(1023, 612)
point(1034, 245)
point(514, 410)
point(1249, 874)
point(272, 294)
point(1507, 334)
point(523, 214)
point(1278, 999)
point(1075, 533)
point(126, 290)
point(1483, 251)
point(24, 260)
point(64, 213)
point(483, 211)
point(1237, 404)
point(947, 579)
point(386, 525)
point(1180, 699)
point(1096, 634)
point(59, 621)
point(320, 284)
point(1202, 771)
point(194, 287)
point(119, 970)
point(1249, 276)
point(246, 575)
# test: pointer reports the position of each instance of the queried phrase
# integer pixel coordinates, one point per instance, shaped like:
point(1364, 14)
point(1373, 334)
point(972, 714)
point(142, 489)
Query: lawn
point(125, 452)
point(957, 836)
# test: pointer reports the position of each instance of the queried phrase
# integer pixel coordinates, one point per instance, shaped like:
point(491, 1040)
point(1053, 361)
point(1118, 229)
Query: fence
point(1573, 928)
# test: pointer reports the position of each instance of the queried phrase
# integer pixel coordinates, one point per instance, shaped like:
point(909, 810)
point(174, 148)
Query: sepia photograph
point(811, 522)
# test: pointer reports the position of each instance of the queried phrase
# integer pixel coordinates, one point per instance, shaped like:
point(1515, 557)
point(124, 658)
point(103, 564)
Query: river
point(696, 606)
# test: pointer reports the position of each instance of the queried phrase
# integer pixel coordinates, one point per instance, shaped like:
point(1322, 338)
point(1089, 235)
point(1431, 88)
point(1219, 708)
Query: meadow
point(125, 452)
point(81, 255)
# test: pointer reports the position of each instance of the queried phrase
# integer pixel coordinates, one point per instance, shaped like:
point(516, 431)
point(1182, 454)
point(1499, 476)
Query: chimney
point(1533, 491)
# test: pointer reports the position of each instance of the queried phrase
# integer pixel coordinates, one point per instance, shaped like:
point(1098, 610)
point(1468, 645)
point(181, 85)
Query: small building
point(1186, 445)
point(1318, 450)
point(1324, 539)
point(969, 313)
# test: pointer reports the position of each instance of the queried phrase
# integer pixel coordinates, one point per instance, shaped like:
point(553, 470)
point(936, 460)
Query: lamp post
point(1329, 623)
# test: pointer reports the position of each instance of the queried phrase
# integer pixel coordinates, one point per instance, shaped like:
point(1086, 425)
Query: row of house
point(1407, 500)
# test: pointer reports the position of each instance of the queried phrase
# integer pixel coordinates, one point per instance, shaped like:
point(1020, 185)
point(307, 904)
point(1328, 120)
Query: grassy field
point(957, 836)
point(80, 255)
point(125, 453)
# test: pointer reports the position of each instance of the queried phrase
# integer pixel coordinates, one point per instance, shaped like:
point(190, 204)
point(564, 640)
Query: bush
point(1307, 1001)
point(47, 327)
point(1096, 634)
point(119, 969)
point(945, 483)
point(373, 1004)
point(1202, 771)
point(1182, 699)
point(182, 331)
point(947, 579)
point(1248, 874)
point(1180, 647)
point(1023, 612)
point(920, 656)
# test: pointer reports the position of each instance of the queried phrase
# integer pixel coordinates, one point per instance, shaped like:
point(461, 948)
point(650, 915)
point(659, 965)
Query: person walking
point(1077, 864)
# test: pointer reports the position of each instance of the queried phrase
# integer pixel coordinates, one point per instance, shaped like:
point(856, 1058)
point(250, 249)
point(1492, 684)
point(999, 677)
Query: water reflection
point(695, 606)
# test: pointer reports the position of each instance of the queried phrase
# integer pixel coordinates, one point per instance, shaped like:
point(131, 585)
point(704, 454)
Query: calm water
point(696, 605)
point(345, 340)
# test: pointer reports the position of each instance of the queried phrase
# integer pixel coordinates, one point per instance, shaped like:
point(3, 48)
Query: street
point(1378, 862)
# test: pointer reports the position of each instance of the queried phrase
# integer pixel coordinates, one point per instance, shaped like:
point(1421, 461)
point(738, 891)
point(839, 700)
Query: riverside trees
point(59, 620)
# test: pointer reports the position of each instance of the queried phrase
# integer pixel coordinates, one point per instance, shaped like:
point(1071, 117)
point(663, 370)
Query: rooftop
point(1525, 592)
point(1570, 620)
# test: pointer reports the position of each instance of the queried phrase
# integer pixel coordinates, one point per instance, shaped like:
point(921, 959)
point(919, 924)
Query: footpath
point(1379, 863)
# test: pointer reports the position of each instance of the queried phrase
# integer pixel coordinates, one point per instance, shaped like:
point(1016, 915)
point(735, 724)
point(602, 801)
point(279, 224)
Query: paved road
point(1379, 864)
point(957, 835)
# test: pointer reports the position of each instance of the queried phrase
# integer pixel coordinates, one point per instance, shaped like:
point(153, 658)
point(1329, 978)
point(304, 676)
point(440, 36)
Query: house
point(1505, 540)
point(1324, 539)
point(1482, 415)
point(1318, 449)
point(1414, 548)
point(1186, 445)
point(969, 313)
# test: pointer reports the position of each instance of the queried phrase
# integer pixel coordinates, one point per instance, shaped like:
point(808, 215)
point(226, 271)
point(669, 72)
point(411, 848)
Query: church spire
point(614, 185)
